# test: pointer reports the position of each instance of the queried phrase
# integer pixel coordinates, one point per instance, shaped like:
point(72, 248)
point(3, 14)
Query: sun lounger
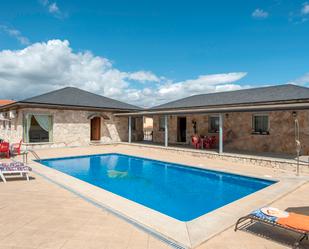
point(289, 221)
point(14, 168)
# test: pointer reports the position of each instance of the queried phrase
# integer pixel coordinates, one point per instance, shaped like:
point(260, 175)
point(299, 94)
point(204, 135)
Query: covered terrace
point(267, 131)
point(258, 126)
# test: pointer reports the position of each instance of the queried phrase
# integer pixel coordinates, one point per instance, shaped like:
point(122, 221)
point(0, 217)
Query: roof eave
point(232, 104)
point(223, 109)
point(57, 106)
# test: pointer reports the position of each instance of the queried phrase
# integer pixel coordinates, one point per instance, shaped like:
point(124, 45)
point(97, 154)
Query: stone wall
point(72, 128)
point(249, 160)
point(13, 134)
point(238, 134)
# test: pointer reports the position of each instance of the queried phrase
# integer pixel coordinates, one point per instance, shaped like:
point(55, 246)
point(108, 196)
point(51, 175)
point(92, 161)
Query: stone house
point(263, 119)
point(67, 117)
point(253, 120)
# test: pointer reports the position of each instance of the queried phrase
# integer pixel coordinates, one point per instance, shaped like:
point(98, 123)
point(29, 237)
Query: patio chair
point(207, 143)
point(288, 221)
point(15, 148)
point(14, 168)
point(213, 141)
point(196, 141)
point(5, 149)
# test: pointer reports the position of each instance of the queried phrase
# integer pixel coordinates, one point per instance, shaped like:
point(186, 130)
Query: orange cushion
point(297, 221)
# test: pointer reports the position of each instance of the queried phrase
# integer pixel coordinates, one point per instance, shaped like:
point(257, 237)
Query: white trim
point(42, 143)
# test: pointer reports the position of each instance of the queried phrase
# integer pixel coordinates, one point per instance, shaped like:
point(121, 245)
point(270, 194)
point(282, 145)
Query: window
point(161, 123)
point(213, 124)
point(260, 124)
point(38, 128)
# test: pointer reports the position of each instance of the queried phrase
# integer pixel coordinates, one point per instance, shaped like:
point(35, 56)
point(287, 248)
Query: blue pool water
point(181, 192)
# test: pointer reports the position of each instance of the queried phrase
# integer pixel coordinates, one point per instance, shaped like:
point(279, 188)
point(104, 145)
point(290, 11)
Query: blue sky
point(157, 50)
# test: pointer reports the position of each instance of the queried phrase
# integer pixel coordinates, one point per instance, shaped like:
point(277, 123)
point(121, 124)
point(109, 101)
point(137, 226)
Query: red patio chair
point(213, 141)
point(5, 149)
point(210, 142)
point(207, 143)
point(196, 141)
point(15, 148)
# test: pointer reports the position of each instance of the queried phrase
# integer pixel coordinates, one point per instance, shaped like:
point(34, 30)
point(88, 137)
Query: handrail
point(33, 153)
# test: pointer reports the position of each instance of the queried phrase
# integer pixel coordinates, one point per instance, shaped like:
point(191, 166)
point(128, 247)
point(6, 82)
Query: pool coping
point(177, 233)
point(174, 164)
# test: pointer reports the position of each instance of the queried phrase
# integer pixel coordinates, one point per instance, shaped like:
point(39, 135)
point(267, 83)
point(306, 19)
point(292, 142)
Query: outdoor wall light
point(226, 115)
point(294, 114)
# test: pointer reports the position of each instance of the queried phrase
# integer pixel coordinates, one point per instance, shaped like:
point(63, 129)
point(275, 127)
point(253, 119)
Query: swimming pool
point(179, 191)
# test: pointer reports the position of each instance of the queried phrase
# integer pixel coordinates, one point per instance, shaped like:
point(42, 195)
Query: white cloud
point(52, 7)
point(15, 33)
point(305, 9)
point(303, 80)
point(47, 66)
point(260, 14)
point(202, 84)
point(300, 16)
point(143, 76)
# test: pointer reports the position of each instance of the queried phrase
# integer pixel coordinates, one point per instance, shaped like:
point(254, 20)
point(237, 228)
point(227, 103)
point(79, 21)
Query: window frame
point(26, 137)
point(209, 124)
point(4, 122)
point(262, 132)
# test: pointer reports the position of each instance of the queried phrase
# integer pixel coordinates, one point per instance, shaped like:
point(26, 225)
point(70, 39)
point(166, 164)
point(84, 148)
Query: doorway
point(95, 129)
point(181, 129)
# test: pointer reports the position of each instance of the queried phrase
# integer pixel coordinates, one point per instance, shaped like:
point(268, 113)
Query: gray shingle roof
point(254, 95)
point(71, 96)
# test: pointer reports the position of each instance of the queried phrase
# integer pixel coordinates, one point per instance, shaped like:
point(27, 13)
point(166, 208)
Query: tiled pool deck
point(40, 214)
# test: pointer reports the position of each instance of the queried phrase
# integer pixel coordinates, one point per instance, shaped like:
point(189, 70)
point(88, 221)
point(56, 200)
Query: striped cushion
point(259, 214)
point(14, 166)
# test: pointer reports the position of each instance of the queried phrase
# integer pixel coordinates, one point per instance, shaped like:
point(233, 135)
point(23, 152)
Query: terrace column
point(166, 130)
point(220, 133)
point(130, 129)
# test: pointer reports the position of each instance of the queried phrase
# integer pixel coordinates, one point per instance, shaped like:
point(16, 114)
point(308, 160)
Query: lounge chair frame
point(251, 218)
point(20, 172)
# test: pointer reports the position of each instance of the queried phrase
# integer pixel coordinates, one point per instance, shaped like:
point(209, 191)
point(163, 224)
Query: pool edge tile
point(183, 234)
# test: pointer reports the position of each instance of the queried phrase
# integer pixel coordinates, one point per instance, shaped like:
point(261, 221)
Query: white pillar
point(166, 130)
point(220, 133)
point(130, 129)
